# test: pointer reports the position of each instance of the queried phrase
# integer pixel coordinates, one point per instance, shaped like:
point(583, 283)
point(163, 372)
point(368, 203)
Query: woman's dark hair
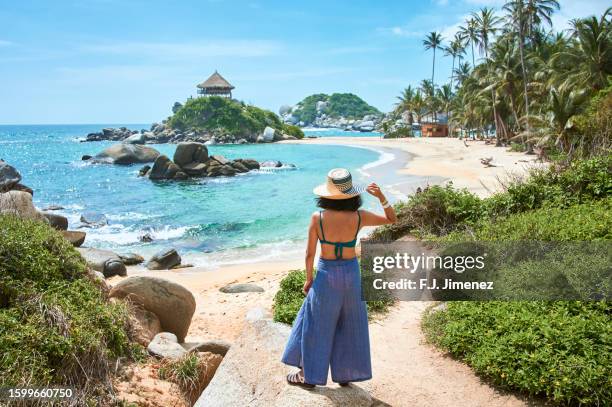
point(350, 204)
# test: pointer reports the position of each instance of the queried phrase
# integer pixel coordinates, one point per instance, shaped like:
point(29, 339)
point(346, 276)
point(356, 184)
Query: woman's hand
point(374, 190)
point(307, 286)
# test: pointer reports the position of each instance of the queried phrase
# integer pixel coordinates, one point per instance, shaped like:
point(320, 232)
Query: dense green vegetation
point(530, 84)
point(345, 105)
point(219, 115)
point(289, 298)
point(556, 349)
point(57, 327)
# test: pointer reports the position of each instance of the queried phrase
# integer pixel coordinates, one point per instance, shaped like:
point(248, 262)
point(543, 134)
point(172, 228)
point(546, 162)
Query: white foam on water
point(118, 234)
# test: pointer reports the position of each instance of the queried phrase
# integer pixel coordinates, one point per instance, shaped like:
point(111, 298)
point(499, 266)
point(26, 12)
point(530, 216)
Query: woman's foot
point(297, 379)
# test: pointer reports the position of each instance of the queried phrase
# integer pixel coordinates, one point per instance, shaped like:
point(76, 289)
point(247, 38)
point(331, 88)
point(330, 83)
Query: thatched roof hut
point(215, 85)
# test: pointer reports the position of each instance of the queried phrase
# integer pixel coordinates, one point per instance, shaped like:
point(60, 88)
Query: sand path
point(407, 371)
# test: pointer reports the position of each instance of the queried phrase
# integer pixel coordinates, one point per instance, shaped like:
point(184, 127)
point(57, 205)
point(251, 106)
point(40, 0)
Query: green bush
point(56, 327)
point(560, 350)
point(580, 181)
point(294, 131)
point(437, 210)
point(289, 298)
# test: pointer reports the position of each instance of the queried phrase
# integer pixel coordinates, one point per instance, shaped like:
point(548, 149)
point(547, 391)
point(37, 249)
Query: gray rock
point(284, 109)
point(18, 203)
point(164, 260)
point(268, 134)
point(220, 159)
point(94, 219)
point(258, 352)
point(144, 171)
point(77, 238)
point(125, 154)
point(163, 168)
point(86, 157)
point(138, 138)
point(9, 176)
point(53, 208)
point(241, 288)
point(21, 187)
point(165, 345)
point(180, 175)
point(217, 347)
point(104, 261)
point(248, 163)
point(195, 169)
point(238, 166)
point(271, 164)
point(190, 152)
point(173, 304)
point(227, 170)
point(144, 325)
point(56, 221)
point(130, 259)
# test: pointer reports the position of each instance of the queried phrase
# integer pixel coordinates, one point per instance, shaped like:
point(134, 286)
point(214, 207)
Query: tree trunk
point(433, 69)
point(524, 70)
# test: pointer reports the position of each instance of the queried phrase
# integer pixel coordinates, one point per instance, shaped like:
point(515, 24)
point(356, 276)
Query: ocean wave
point(119, 235)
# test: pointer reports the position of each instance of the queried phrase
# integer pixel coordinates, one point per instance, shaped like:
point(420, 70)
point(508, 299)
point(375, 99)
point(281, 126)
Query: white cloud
point(168, 50)
point(399, 31)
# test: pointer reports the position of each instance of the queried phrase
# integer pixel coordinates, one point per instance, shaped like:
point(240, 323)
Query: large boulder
point(163, 168)
point(252, 374)
point(173, 304)
point(104, 261)
point(93, 219)
point(248, 163)
point(125, 154)
point(138, 138)
point(144, 325)
point(9, 176)
point(75, 237)
point(190, 152)
point(18, 203)
point(164, 260)
point(56, 221)
point(218, 347)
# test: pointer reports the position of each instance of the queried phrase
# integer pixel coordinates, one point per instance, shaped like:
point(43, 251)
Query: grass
point(191, 374)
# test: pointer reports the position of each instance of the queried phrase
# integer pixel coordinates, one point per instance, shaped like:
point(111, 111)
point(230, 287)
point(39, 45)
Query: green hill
point(338, 105)
point(218, 115)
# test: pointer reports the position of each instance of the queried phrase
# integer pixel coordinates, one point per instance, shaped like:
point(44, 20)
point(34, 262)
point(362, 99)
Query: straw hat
point(339, 185)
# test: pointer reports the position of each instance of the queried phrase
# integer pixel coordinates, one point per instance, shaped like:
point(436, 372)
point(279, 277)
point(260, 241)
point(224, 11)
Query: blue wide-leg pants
point(331, 328)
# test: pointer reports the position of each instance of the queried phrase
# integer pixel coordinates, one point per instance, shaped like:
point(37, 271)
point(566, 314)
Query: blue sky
point(128, 61)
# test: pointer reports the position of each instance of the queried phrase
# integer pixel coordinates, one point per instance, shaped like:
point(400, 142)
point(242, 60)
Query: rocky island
point(339, 110)
point(209, 120)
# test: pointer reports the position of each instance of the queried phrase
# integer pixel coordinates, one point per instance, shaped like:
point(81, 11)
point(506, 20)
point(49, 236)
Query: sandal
point(297, 379)
point(345, 384)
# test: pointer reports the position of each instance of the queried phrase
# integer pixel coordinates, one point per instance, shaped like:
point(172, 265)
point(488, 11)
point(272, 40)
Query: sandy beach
point(406, 370)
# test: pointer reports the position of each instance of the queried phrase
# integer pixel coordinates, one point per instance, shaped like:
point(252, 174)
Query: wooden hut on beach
point(215, 85)
point(434, 130)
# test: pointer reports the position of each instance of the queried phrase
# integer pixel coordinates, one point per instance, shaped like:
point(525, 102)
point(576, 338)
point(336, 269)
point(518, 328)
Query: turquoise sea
point(255, 216)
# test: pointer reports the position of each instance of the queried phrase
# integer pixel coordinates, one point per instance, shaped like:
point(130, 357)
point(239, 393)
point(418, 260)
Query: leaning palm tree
point(539, 13)
point(468, 35)
point(433, 41)
point(455, 49)
point(462, 72)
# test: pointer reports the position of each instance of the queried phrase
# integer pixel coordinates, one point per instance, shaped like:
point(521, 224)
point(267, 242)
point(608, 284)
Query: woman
point(331, 328)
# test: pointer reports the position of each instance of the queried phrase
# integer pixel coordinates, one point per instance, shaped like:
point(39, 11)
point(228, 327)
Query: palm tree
point(433, 41)
point(445, 98)
point(418, 105)
point(468, 34)
point(462, 72)
point(590, 58)
point(405, 103)
point(455, 49)
point(486, 25)
point(539, 13)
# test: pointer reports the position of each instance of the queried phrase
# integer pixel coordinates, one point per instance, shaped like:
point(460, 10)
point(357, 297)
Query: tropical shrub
point(56, 327)
point(345, 105)
point(560, 349)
